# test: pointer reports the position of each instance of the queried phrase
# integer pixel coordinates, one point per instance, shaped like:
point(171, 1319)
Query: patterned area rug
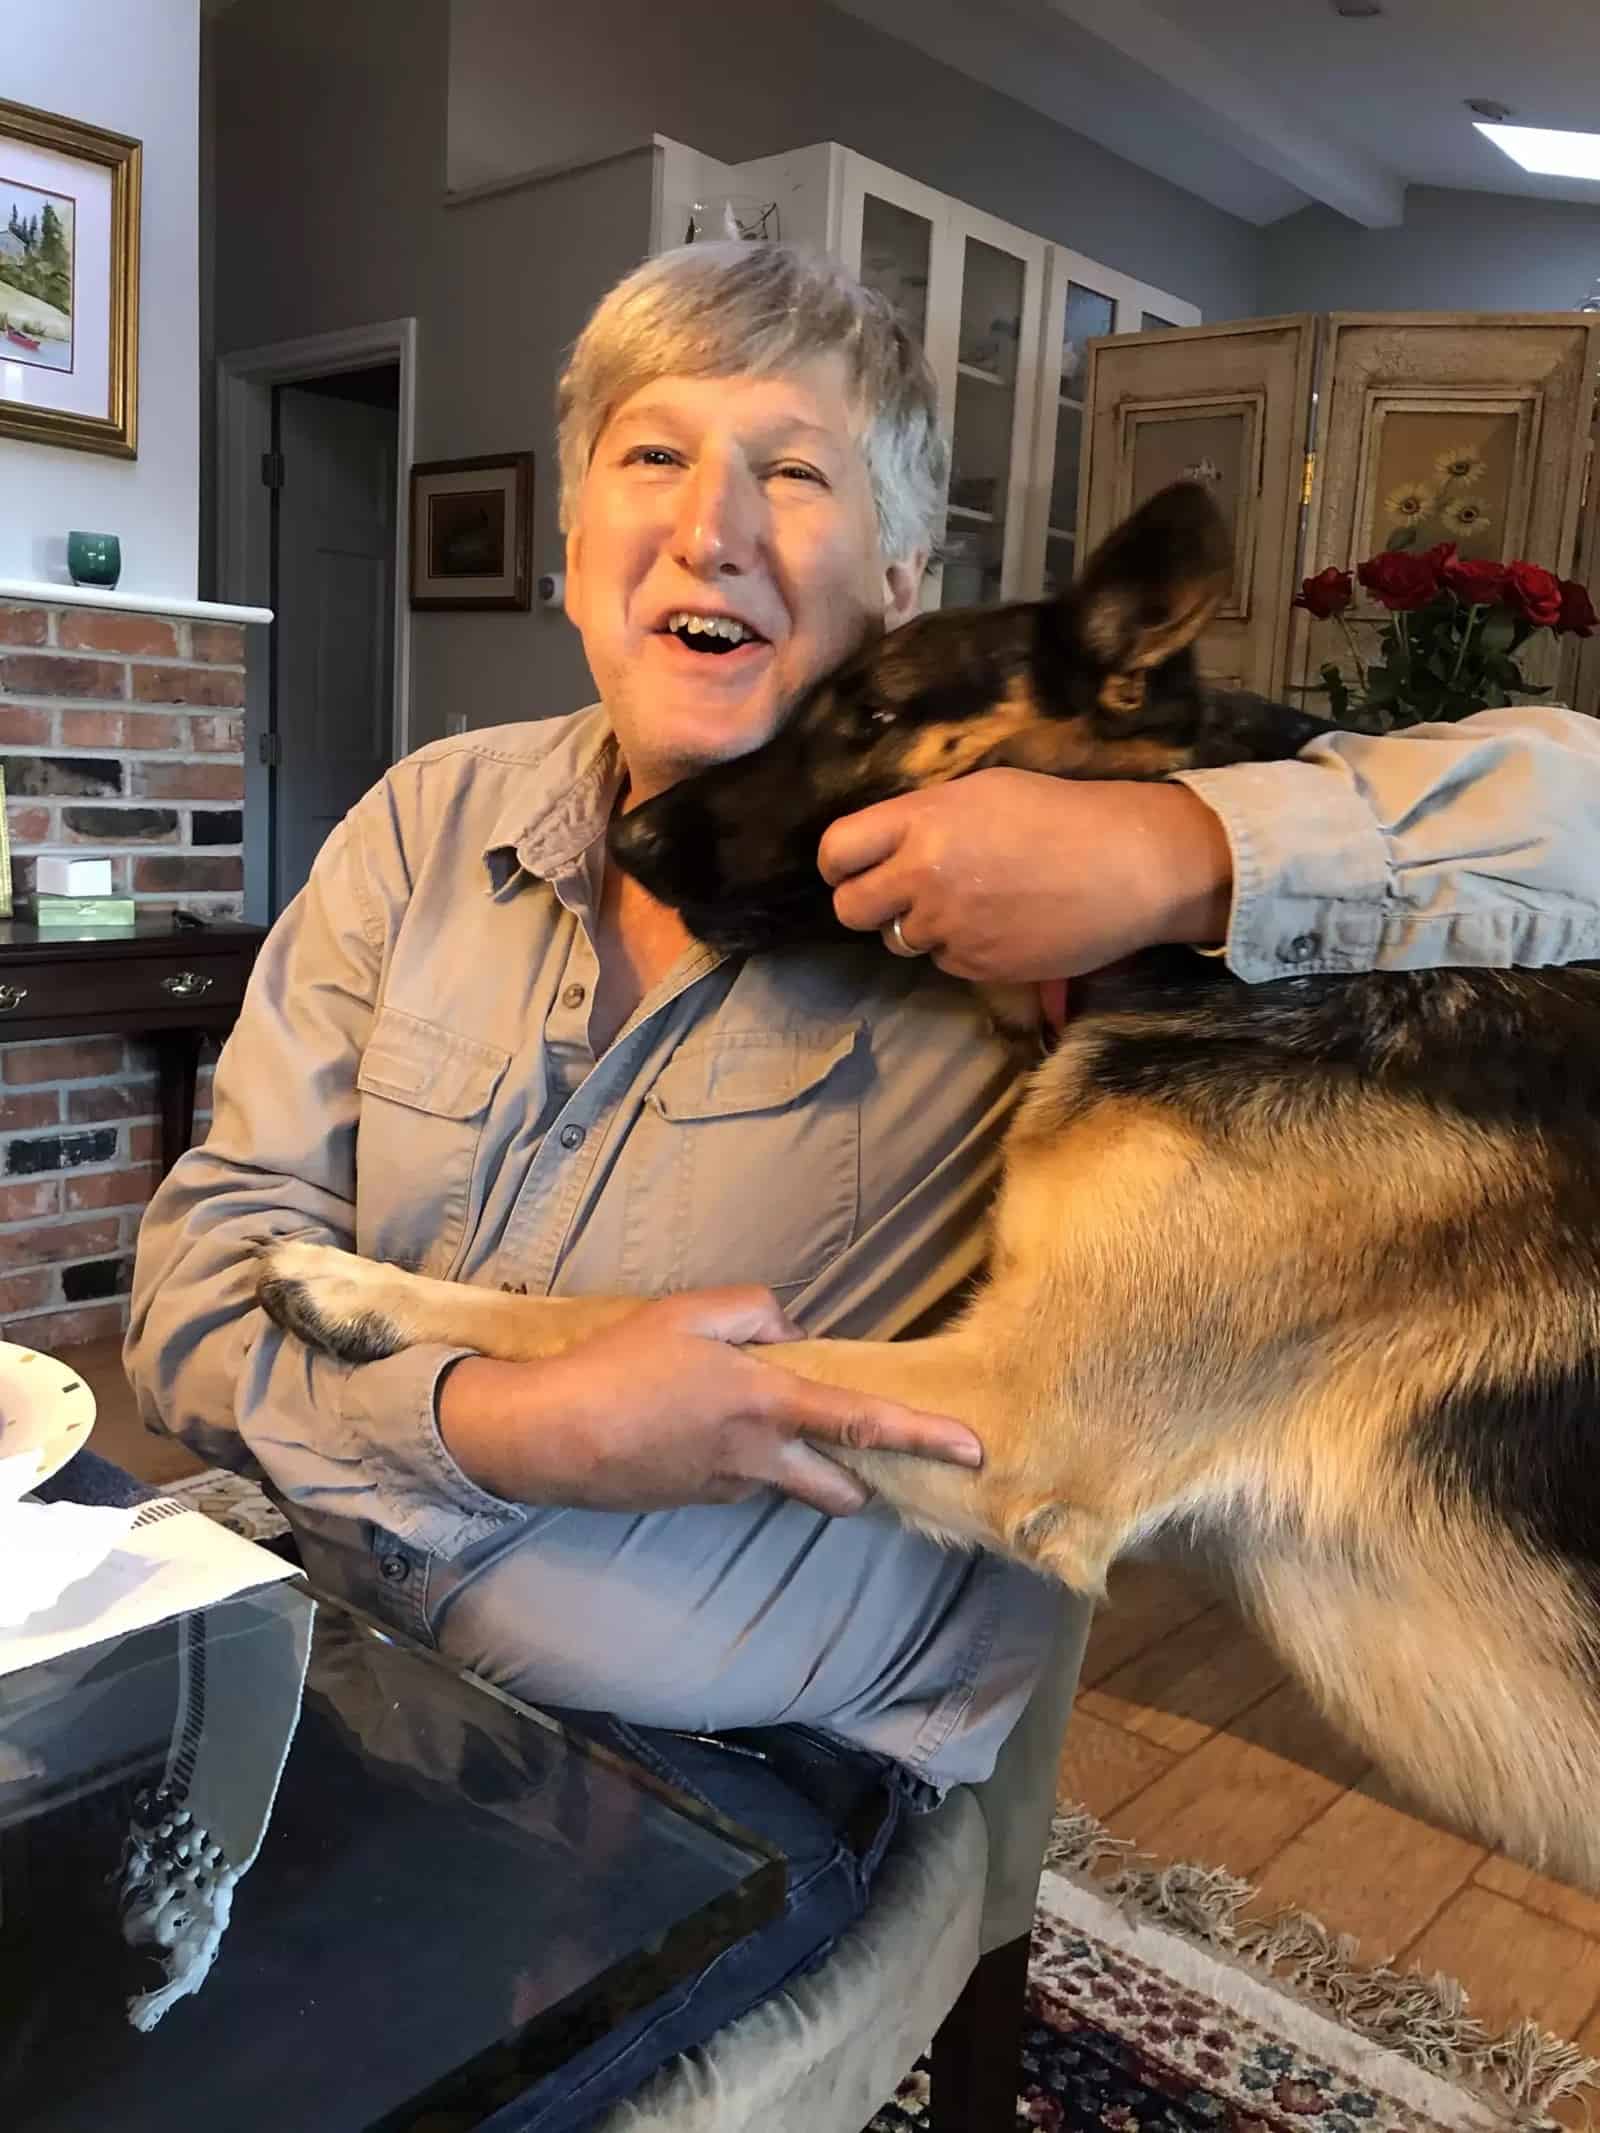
point(1158, 2003)
point(1154, 2008)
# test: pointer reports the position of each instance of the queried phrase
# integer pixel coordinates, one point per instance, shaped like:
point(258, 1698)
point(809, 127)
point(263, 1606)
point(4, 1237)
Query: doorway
point(313, 467)
point(330, 726)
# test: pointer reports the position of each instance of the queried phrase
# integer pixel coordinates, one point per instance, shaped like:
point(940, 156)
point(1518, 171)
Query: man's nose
point(717, 533)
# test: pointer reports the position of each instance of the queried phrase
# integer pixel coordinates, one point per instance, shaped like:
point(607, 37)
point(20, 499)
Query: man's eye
point(796, 470)
point(650, 455)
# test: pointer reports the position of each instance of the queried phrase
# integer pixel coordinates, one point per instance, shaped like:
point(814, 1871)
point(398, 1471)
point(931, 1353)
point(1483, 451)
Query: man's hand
point(1010, 877)
point(669, 1408)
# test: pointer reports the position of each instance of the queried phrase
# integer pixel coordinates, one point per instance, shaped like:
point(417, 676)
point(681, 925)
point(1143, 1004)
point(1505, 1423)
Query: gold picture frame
point(5, 851)
point(69, 228)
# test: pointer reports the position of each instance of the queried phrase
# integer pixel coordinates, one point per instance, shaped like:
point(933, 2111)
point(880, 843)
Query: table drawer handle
point(186, 984)
point(11, 996)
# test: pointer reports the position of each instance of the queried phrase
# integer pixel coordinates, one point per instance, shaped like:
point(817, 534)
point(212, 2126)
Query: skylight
point(1546, 152)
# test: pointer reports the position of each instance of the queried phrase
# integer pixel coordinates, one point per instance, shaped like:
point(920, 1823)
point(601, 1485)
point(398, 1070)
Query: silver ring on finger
point(897, 944)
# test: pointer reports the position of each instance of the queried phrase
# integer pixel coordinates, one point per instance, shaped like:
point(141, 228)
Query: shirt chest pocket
point(425, 1097)
point(751, 1160)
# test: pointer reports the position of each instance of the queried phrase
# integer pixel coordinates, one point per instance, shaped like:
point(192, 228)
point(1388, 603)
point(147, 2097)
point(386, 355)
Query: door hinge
point(270, 750)
point(272, 470)
point(1310, 479)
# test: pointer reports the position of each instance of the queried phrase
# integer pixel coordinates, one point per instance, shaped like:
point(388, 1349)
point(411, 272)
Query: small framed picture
point(472, 531)
point(69, 283)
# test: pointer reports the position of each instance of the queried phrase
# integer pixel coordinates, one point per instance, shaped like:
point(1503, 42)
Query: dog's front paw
point(331, 1300)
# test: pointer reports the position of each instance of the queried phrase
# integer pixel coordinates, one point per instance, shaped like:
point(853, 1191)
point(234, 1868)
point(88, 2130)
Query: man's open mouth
point(716, 634)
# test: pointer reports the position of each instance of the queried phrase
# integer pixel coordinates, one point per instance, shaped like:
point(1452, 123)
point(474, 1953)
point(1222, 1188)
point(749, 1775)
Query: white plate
point(46, 1414)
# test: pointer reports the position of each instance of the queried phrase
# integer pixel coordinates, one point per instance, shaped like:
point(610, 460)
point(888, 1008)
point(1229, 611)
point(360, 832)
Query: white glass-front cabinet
point(1003, 317)
point(971, 290)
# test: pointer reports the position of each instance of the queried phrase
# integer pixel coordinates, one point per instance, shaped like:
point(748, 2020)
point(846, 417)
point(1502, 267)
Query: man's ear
point(572, 593)
point(1150, 589)
point(902, 588)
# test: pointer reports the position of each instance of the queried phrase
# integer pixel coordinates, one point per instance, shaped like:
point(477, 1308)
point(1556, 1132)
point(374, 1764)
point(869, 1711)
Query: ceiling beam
point(1228, 108)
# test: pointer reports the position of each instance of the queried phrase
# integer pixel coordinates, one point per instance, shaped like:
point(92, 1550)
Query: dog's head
point(1098, 684)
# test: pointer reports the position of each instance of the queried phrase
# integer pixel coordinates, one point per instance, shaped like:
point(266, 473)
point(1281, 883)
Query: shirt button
point(571, 1138)
point(574, 996)
point(395, 1568)
point(1301, 949)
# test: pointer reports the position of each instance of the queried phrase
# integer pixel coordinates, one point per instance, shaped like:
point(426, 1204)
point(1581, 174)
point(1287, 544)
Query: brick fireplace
point(121, 736)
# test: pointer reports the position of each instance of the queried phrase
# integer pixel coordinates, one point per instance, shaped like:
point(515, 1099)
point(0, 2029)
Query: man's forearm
point(1472, 845)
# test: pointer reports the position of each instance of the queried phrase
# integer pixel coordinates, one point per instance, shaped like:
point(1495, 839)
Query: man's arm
point(205, 1361)
point(1452, 846)
point(1467, 845)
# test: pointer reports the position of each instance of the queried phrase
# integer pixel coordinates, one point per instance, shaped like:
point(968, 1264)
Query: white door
point(333, 637)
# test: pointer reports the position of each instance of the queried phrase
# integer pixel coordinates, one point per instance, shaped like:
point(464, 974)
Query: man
point(473, 1047)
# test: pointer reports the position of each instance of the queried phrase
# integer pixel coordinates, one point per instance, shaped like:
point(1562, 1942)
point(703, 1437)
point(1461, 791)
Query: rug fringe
point(1422, 2019)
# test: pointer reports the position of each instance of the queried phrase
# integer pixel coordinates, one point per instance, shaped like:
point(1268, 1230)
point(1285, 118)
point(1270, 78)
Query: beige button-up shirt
point(412, 1076)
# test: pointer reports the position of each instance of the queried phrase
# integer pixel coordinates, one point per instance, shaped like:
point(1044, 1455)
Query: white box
point(73, 877)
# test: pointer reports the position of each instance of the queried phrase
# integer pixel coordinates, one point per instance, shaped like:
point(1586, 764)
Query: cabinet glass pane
point(895, 249)
point(1064, 474)
point(1086, 316)
point(1060, 565)
point(991, 311)
point(992, 285)
point(974, 560)
point(1088, 313)
point(1153, 322)
point(980, 475)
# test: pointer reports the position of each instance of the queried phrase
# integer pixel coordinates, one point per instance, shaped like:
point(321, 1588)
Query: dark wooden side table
point(171, 985)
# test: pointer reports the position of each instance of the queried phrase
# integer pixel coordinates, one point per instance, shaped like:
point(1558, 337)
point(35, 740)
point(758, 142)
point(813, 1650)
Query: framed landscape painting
point(69, 283)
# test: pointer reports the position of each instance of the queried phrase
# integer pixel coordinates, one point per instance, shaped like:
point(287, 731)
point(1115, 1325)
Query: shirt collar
point(579, 782)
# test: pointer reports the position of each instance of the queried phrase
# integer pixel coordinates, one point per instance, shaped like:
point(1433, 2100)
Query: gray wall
point(330, 212)
point(1455, 251)
point(534, 83)
point(329, 153)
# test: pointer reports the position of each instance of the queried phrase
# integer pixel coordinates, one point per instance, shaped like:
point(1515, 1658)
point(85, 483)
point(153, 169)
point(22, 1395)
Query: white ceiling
point(1262, 105)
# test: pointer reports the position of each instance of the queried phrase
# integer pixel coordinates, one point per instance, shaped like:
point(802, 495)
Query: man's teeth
point(685, 624)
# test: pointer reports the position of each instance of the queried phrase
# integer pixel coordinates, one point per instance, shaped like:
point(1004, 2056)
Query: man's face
point(740, 500)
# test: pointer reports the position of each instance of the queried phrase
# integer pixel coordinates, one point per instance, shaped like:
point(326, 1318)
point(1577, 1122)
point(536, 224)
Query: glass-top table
point(445, 1894)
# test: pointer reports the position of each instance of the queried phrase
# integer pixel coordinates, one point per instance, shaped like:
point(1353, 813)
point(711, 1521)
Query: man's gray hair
point(721, 309)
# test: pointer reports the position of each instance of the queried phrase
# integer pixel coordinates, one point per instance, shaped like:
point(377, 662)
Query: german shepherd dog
point(1312, 1267)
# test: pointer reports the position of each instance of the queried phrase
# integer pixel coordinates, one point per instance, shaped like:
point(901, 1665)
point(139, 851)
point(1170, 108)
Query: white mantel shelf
point(47, 594)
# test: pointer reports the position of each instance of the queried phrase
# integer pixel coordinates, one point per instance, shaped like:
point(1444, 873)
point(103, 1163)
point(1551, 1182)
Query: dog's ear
point(1150, 589)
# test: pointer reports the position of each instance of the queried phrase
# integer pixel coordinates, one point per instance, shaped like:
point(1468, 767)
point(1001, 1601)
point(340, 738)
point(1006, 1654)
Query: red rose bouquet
point(1455, 633)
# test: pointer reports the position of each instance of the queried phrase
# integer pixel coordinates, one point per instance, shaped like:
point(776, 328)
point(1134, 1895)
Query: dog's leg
point(360, 1311)
point(1031, 1499)
point(1460, 1663)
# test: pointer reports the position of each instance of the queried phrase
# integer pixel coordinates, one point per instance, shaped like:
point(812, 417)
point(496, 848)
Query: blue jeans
point(830, 1875)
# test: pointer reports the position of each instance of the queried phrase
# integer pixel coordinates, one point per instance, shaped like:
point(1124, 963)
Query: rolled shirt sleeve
point(1469, 845)
point(206, 1363)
